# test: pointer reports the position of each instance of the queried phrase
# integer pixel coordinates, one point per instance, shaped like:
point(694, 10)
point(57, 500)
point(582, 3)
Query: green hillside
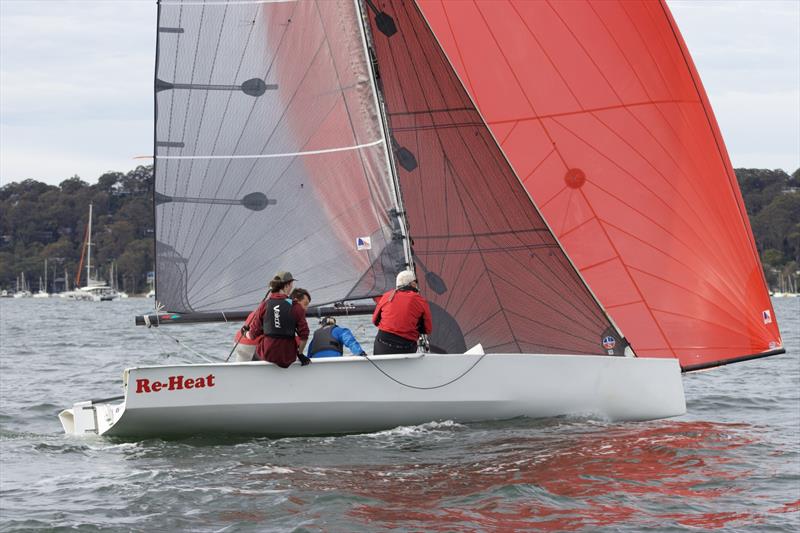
point(39, 221)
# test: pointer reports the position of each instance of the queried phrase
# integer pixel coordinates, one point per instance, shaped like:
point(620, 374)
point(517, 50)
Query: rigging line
point(267, 156)
point(186, 346)
point(464, 373)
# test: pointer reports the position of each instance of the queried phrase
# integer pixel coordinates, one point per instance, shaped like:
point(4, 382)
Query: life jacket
point(324, 340)
point(278, 319)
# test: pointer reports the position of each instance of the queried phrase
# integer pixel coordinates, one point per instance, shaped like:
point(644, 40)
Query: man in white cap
point(401, 316)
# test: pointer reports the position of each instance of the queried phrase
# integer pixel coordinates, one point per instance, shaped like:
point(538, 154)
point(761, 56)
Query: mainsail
point(270, 155)
point(485, 258)
point(601, 112)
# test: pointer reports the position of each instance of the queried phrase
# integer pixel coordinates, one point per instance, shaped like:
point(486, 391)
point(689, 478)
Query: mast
point(372, 62)
point(45, 275)
point(89, 249)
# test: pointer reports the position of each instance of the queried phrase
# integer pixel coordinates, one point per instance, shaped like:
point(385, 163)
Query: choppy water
point(732, 463)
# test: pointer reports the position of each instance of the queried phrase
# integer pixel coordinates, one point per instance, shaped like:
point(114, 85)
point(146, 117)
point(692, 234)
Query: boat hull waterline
point(350, 395)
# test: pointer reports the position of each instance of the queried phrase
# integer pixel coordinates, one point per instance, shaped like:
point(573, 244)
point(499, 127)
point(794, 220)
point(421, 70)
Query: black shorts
point(388, 343)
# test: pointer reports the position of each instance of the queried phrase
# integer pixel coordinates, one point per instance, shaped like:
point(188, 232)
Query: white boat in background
point(99, 291)
point(320, 169)
point(23, 291)
point(95, 290)
point(42, 293)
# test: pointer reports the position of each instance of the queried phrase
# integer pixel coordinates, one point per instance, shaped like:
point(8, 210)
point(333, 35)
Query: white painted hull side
point(350, 395)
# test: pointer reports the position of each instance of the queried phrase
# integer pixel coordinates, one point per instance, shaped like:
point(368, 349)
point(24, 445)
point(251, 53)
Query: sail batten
point(267, 156)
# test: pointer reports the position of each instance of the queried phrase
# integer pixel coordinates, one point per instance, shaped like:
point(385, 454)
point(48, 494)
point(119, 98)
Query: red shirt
point(279, 350)
point(244, 339)
point(406, 314)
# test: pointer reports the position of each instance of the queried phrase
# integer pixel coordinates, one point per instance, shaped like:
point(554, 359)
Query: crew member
point(279, 320)
point(330, 340)
point(245, 347)
point(401, 316)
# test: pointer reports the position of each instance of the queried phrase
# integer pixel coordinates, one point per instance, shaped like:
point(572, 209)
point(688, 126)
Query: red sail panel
point(600, 110)
point(485, 258)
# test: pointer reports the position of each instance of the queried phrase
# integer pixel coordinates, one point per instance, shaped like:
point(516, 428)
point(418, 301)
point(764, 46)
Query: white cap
point(405, 278)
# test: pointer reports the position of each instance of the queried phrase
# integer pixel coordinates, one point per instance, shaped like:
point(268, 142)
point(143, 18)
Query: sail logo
point(609, 343)
point(767, 316)
point(363, 243)
point(145, 386)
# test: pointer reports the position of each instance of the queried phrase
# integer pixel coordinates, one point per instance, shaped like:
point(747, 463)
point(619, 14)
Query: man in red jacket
point(401, 316)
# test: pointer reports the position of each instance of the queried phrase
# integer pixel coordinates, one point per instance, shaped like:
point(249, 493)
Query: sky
point(76, 80)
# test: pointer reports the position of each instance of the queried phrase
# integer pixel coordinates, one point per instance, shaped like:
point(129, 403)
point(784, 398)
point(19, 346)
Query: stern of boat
point(90, 417)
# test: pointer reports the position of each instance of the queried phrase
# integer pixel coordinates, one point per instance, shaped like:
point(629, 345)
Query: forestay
point(269, 155)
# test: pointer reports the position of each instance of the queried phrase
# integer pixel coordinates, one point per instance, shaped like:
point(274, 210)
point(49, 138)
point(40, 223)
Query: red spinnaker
point(600, 110)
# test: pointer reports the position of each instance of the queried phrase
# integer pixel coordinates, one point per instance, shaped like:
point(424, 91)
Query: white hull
point(348, 394)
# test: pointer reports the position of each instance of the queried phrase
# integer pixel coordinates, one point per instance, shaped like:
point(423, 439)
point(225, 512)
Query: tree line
point(39, 221)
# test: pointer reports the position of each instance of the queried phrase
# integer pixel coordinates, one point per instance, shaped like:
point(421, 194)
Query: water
point(732, 462)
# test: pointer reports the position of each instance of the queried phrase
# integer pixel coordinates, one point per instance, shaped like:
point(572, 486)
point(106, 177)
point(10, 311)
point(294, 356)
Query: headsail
point(484, 257)
point(270, 155)
point(600, 110)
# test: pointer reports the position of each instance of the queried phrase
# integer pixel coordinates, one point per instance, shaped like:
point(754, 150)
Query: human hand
point(303, 359)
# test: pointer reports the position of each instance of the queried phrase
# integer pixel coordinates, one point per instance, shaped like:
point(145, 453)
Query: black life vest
point(278, 319)
point(324, 340)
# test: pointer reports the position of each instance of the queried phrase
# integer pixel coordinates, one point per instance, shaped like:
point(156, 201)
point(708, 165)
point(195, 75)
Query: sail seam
point(266, 156)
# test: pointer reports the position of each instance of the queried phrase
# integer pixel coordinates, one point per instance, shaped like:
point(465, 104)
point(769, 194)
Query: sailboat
point(42, 293)
point(95, 290)
point(349, 140)
point(23, 291)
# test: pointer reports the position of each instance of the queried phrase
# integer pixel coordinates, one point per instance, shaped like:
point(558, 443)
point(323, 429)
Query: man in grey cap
point(401, 316)
point(277, 320)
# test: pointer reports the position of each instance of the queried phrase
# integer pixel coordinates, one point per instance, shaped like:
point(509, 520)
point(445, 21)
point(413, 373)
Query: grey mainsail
point(270, 155)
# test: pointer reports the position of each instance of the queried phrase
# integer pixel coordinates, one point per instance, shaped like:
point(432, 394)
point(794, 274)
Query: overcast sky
point(76, 82)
